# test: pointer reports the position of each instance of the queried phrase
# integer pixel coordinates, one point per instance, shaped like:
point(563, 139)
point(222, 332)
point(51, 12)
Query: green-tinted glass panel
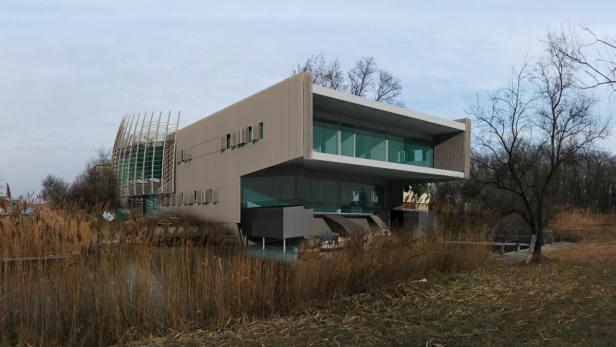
point(268, 191)
point(410, 151)
point(259, 192)
point(395, 150)
point(325, 137)
point(360, 197)
point(152, 204)
point(370, 145)
point(348, 140)
point(322, 195)
point(325, 195)
point(420, 152)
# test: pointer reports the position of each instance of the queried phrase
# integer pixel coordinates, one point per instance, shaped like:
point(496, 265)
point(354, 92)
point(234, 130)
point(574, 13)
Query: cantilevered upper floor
point(357, 133)
point(296, 123)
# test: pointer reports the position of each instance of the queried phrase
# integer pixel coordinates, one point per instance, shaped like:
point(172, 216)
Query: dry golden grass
point(589, 251)
point(113, 293)
point(48, 233)
point(581, 224)
point(567, 300)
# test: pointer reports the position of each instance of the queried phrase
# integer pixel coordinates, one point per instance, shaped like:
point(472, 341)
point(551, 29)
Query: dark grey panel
point(277, 222)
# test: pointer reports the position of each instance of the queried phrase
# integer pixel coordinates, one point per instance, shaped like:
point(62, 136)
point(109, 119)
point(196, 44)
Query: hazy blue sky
point(70, 69)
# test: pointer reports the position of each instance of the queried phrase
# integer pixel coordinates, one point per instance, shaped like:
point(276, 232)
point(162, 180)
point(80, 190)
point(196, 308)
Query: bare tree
point(361, 76)
point(325, 74)
point(54, 189)
point(388, 88)
point(528, 131)
point(363, 79)
point(596, 56)
point(589, 181)
point(96, 185)
point(316, 66)
point(333, 76)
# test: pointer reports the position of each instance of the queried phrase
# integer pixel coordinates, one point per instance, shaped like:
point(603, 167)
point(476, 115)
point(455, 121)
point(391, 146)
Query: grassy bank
point(116, 292)
point(567, 300)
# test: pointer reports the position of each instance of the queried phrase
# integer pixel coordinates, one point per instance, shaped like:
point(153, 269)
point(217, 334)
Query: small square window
point(208, 196)
point(215, 195)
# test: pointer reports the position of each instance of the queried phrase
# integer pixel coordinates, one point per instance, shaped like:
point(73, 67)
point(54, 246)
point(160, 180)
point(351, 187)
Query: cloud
point(71, 69)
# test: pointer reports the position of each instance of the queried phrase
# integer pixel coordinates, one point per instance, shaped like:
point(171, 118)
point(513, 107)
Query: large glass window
point(324, 195)
point(268, 191)
point(410, 151)
point(348, 140)
point(360, 197)
point(369, 144)
point(325, 137)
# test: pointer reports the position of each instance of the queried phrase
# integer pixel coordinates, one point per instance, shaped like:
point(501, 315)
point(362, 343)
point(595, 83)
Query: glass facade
point(409, 151)
point(151, 204)
point(132, 167)
point(369, 144)
point(325, 137)
point(266, 191)
point(360, 197)
point(325, 195)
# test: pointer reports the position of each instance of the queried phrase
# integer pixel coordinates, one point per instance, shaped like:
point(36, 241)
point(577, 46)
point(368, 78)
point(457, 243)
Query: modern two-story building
point(291, 159)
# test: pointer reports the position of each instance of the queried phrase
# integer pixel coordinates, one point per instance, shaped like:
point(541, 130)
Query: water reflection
point(274, 251)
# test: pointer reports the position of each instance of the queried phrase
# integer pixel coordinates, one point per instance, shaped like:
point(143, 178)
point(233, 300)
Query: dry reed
point(113, 293)
point(585, 225)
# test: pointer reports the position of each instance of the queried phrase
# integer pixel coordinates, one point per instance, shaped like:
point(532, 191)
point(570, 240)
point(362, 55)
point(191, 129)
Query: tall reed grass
point(113, 293)
point(583, 224)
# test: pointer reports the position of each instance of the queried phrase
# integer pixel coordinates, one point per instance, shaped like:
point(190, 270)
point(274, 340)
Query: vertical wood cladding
point(308, 110)
point(453, 151)
point(282, 110)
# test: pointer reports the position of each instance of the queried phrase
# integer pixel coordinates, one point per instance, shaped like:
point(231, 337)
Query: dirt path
point(568, 299)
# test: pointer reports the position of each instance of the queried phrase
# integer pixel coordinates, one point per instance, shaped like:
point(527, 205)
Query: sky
point(69, 70)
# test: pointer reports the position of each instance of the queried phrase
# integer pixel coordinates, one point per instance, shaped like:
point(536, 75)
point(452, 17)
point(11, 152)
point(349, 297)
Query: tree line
point(94, 186)
point(535, 148)
point(364, 79)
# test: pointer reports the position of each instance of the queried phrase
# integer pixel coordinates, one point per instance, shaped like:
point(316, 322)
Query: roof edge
point(382, 106)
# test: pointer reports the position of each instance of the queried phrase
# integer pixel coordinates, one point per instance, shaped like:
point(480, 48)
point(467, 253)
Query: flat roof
point(367, 109)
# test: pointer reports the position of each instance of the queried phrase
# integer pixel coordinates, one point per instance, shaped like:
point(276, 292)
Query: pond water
point(274, 251)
